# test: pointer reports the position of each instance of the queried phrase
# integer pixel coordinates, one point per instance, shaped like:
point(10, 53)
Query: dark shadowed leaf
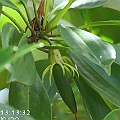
point(95, 106)
point(33, 98)
point(90, 46)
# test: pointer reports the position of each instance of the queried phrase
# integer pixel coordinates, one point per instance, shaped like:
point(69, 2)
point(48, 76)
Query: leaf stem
point(46, 13)
point(57, 35)
point(46, 38)
point(55, 47)
point(101, 23)
point(49, 30)
point(36, 14)
point(43, 50)
point(13, 20)
point(56, 40)
point(27, 12)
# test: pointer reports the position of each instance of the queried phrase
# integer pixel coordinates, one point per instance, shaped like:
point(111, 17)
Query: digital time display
point(13, 114)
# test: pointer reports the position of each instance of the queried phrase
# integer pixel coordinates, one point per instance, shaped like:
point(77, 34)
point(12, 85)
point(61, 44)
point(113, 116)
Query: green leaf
point(10, 35)
point(95, 106)
point(108, 86)
point(0, 9)
point(40, 67)
point(3, 79)
point(61, 3)
point(113, 115)
point(73, 16)
point(23, 70)
point(90, 46)
point(33, 98)
point(80, 4)
point(8, 55)
point(117, 49)
point(8, 112)
point(8, 3)
point(59, 15)
point(0, 41)
point(105, 14)
point(25, 1)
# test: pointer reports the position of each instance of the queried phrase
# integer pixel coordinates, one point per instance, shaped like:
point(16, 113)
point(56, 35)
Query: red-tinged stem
point(76, 117)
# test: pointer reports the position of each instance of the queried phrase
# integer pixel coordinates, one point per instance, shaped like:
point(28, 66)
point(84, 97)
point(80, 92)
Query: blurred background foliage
point(59, 110)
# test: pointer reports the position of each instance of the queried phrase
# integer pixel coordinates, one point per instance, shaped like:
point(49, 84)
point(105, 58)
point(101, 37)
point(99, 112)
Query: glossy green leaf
point(8, 3)
point(8, 112)
point(33, 98)
point(109, 32)
point(23, 70)
point(108, 86)
point(95, 106)
point(113, 115)
point(10, 35)
point(59, 2)
point(88, 4)
point(57, 7)
point(79, 4)
point(89, 45)
point(3, 79)
point(40, 67)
